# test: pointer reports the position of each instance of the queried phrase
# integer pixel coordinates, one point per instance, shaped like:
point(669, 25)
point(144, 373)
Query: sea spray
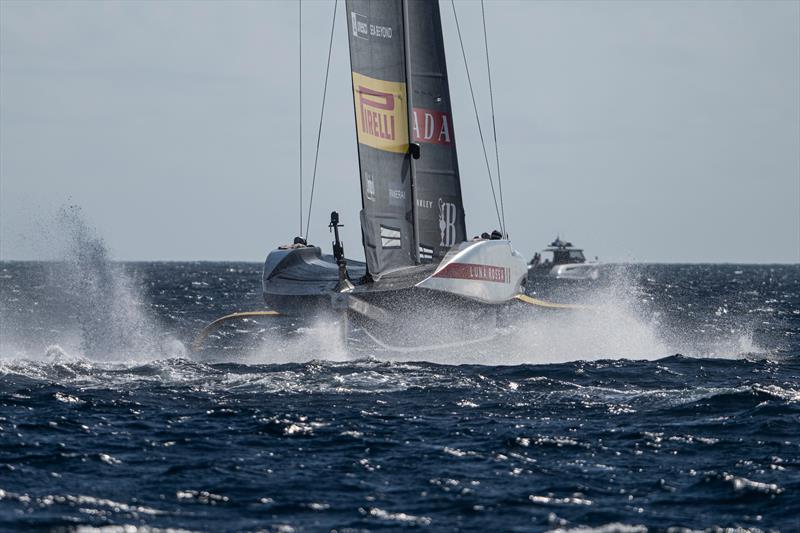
point(625, 316)
point(612, 321)
point(321, 339)
point(99, 292)
point(97, 309)
point(648, 311)
point(616, 319)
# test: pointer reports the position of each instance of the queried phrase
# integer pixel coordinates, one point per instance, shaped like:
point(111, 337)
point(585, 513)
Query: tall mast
point(358, 147)
point(410, 111)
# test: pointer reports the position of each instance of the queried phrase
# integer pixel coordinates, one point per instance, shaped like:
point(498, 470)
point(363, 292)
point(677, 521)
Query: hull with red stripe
point(488, 271)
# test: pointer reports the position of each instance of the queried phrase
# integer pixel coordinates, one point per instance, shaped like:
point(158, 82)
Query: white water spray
point(320, 340)
point(104, 314)
point(619, 321)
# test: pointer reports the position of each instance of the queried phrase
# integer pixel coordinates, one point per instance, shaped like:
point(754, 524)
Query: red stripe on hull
point(474, 272)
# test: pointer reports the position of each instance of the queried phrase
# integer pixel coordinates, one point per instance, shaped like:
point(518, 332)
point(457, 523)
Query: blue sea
point(672, 405)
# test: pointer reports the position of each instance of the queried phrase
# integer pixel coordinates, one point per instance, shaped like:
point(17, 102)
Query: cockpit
point(561, 257)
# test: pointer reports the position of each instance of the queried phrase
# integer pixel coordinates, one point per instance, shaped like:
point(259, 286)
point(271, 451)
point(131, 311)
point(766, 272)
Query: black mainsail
point(439, 214)
point(412, 210)
point(378, 64)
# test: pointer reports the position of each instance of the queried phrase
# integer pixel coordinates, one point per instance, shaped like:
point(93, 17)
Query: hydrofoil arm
point(203, 335)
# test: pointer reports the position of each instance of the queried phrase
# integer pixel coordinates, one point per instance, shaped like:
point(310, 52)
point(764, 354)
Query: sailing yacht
point(423, 281)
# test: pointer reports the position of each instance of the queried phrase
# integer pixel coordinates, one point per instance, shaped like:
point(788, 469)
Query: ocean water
point(673, 405)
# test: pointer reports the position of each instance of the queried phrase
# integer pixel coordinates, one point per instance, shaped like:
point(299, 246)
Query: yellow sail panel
point(381, 113)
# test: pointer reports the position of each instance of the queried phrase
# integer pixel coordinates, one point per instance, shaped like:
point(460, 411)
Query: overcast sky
point(642, 131)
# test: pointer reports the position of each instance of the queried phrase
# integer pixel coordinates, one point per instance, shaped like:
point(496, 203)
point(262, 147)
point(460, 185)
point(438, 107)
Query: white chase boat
point(562, 260)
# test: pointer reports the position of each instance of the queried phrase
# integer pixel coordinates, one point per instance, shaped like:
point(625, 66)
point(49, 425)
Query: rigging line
point(300, 98)
point(321, 116)
point(494, 125)
point(477, 118)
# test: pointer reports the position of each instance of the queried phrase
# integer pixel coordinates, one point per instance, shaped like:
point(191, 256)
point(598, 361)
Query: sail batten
point(438, 75)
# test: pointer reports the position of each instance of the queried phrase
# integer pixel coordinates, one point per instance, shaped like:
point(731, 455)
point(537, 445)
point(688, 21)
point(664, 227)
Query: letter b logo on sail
point(447, 223)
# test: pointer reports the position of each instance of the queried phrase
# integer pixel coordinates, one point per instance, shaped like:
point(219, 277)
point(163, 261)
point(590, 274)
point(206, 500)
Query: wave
point(626, 386)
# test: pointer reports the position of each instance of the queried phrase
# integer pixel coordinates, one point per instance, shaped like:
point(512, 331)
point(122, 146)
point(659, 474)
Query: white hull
point(488, 271)
point(576, 271)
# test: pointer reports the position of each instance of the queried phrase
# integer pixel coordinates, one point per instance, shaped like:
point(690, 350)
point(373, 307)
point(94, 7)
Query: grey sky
point(649, 131)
